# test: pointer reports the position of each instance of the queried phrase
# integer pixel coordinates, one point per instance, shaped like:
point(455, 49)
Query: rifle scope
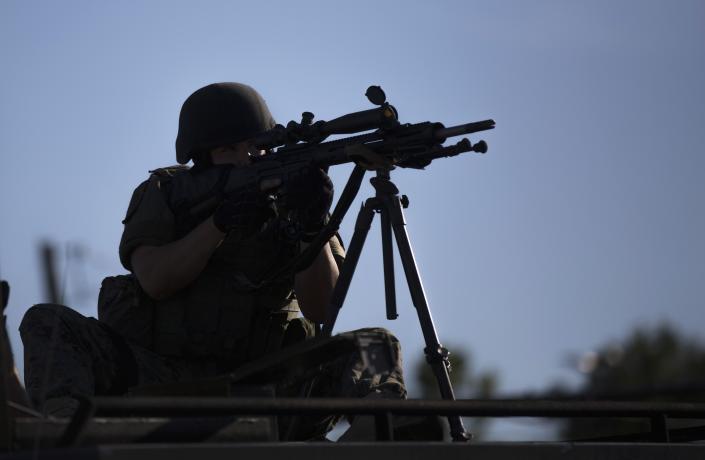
point(306, 131)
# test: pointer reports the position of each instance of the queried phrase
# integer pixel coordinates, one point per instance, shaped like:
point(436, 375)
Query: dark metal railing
point(657, 413)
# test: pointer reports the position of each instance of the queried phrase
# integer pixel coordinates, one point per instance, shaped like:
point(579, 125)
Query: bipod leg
point(362, 228)
point(436, 355)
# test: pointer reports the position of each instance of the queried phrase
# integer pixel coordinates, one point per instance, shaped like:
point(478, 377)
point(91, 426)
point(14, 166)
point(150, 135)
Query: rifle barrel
point(467, 128)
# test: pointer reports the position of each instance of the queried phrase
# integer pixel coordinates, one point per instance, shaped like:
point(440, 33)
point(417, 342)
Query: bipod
point(389, 204)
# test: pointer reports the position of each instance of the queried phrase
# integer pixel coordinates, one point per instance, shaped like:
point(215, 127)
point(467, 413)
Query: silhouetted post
point(51, 280)
point(5, 356)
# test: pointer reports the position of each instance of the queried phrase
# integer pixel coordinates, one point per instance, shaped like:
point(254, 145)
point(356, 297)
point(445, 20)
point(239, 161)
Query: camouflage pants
point(68, 354)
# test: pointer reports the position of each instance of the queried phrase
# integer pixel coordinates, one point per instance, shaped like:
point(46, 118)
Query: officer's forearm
point(163, 270)
point(315, 284)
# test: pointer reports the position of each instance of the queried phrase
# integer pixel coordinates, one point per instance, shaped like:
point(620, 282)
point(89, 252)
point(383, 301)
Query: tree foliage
point(651, 364)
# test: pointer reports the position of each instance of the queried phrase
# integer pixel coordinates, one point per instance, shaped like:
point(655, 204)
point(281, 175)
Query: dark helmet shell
point(220, 114)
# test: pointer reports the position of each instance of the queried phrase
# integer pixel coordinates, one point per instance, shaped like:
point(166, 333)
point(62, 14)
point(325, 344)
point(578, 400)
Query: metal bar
point(659, 428)
point(383, 427)
point(436, 355)
point(679, 435)
point(27, 411)
point(390, 295)
point(189, 406)
point(77, 426)
point(413, 278)
point(688, 434)
point(683, 391)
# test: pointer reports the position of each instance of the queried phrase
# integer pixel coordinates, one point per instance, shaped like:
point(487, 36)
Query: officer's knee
point(383, 332)
point(43, 314)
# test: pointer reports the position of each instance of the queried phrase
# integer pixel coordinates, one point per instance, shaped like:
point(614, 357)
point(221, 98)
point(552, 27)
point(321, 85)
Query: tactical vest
point(222, 314)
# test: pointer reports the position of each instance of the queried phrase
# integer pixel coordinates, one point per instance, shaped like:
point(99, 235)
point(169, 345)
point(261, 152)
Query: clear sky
point(585, 219)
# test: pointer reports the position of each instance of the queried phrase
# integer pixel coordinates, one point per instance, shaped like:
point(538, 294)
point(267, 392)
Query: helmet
point(220, 114)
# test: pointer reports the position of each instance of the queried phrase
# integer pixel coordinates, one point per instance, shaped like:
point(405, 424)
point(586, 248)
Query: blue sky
point(583, 220)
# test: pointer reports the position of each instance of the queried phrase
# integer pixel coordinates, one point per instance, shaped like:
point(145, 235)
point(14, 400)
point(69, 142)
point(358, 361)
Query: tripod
point(389, 204)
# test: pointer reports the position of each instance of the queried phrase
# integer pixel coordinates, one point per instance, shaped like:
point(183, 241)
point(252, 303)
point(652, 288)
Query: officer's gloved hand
point(243, 215)
point(311, 195)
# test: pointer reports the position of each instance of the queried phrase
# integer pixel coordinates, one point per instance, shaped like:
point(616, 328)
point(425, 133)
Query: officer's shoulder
point(169, 171)
point(165, 176)
point(160, 180)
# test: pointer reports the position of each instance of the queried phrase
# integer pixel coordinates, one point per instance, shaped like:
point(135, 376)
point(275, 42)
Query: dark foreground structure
point(238, 418)
point(490, 451)
point(186, 428)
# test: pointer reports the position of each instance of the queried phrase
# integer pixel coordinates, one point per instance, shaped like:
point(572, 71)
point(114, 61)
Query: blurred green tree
point(652, 364)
